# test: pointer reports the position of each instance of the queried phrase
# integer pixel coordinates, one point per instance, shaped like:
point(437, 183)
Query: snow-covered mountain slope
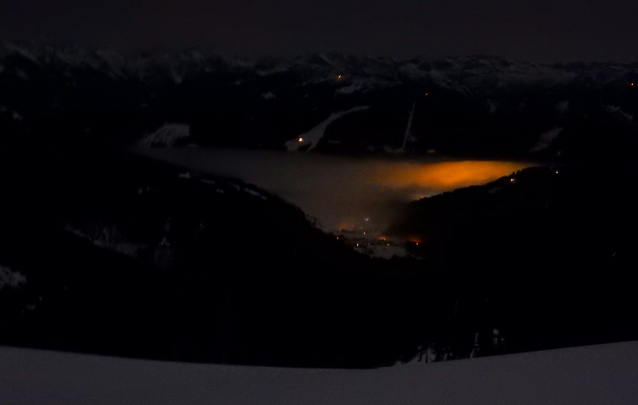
point(480, 103)
point(589, 375)
point(10, 278)
point(166, 135)
point(309, 140)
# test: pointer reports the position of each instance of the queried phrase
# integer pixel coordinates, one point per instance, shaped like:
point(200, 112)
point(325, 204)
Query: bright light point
point(300, 140)
point(556, 172)
point(632, 84)
point(339, 77)
point(427, 94)
point(511, 180)
point(367, 219)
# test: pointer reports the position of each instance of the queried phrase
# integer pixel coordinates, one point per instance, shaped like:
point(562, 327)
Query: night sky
point(533, 30)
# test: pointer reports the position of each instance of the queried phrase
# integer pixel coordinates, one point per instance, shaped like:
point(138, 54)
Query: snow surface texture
point(616, 110)
point(563, 106)
point(491, 105)
point(10, 278)
point(269, 96)
point(592, 375)
point(313, 136)
point(107, 237)
point(546, 139)
point(166, 135)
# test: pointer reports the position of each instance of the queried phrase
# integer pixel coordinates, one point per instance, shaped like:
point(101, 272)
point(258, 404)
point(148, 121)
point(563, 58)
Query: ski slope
point(601, 374)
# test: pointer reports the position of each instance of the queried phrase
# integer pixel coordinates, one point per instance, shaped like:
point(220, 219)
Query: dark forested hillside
point(130, 257)
point(135, 258)
point(551, 247)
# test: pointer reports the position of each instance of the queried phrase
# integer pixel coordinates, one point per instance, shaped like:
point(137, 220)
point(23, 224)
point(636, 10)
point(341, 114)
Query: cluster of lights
point(382, 241)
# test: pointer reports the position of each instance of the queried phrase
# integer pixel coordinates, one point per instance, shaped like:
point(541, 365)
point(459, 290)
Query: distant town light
point(632, 84)
point(300, 140)
point(427, 94)
point(511, 180)
point(338, 76)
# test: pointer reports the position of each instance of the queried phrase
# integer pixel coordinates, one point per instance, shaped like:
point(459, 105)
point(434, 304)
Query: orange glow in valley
point(446, 175)
point(342, 192)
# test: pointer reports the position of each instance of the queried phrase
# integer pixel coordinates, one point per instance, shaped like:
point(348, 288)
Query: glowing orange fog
point(445, 176)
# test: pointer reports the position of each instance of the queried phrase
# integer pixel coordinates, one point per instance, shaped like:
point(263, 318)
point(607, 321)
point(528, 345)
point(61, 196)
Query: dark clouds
point(538, 30)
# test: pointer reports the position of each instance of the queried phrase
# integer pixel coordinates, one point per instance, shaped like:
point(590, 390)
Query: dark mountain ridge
point(483, 104)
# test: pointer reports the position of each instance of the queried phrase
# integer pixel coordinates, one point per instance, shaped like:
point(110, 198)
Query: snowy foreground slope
point(603, 374)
